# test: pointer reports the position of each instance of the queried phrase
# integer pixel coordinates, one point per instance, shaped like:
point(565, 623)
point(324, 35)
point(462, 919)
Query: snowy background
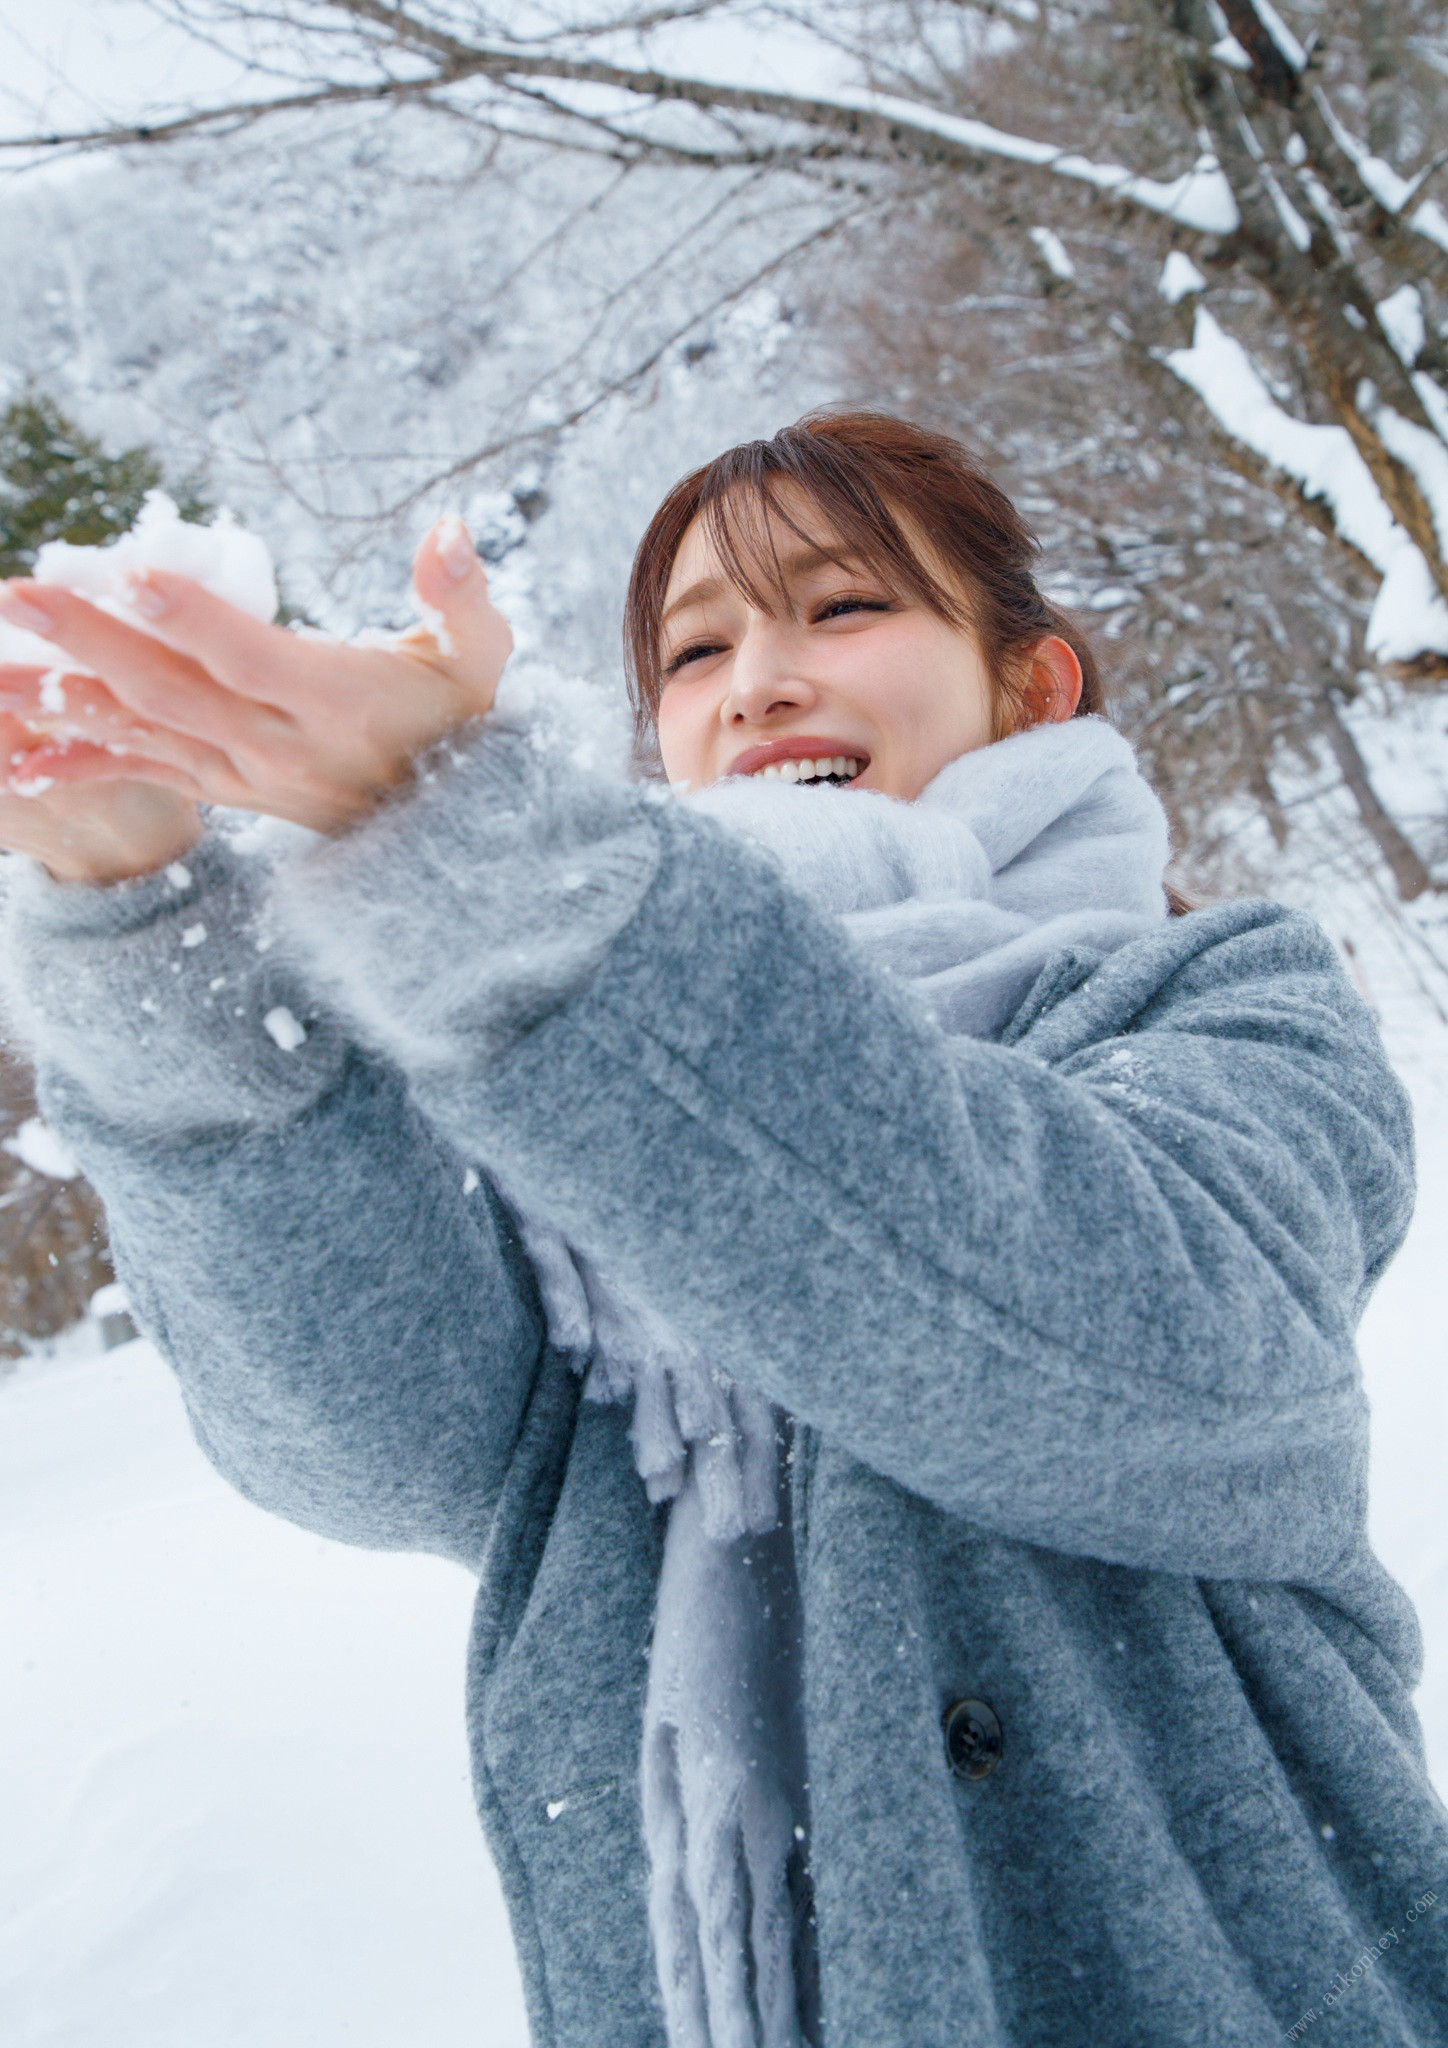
point(235, 1807)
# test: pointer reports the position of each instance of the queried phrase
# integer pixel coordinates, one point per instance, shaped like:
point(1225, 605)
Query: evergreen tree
point(57, 483)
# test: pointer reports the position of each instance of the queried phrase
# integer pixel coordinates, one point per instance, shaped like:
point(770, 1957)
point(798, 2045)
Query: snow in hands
point(222, 557)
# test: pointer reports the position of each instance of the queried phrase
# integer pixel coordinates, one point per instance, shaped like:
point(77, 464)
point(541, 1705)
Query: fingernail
point(455, 548)
point(145, 598)
point(17, 611)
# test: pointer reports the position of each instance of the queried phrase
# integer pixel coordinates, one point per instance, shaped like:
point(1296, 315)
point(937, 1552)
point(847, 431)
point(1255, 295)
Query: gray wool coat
point(1064, 1324)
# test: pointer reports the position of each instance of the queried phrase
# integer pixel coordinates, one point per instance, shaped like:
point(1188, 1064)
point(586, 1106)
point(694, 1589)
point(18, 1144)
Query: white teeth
point(842, 765)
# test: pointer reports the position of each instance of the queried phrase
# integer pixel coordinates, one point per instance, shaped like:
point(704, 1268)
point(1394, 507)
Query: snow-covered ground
point(236, 1802)
point(236, 1810)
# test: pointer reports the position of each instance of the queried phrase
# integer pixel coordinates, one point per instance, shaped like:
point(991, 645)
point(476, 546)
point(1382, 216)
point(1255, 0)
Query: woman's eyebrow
point(702, 592)
point(798, 562)
point(801, 561)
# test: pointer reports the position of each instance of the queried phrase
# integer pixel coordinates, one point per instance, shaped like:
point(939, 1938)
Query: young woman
point(869, 1291)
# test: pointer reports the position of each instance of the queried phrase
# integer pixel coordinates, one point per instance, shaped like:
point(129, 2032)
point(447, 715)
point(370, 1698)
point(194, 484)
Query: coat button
point(973, 1739)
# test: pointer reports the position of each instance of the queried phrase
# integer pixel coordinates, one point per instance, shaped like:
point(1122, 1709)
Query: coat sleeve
point(1095, 1289)
point(355, 1332)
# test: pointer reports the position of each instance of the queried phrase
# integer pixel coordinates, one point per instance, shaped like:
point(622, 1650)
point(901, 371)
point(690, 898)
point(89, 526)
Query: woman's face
point(847, 680)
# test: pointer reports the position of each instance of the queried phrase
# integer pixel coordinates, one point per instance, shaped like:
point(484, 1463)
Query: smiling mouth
point(802, 757)
point(839, 769)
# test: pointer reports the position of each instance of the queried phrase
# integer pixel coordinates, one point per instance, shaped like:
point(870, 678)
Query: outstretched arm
point(357, 1339)
point(1095, 1289)
point(1097, 1292)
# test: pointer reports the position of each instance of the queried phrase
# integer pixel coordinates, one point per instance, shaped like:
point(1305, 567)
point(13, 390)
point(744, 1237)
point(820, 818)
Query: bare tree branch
point(1323, 297)
point(1300, 232)
point(872, 124)
point(514, 442)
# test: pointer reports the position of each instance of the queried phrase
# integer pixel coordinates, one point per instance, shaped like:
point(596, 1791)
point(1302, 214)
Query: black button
point(973, 1739)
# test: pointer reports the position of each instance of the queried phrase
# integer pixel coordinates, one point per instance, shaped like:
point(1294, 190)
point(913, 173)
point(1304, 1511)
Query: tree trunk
point(1409, 872)
point(52, 1236)
point(1271, 809)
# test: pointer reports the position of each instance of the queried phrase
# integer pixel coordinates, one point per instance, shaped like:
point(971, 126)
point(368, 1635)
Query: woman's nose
point(763, 682)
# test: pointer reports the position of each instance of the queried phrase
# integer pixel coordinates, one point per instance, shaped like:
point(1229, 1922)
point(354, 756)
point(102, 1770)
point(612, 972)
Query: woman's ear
point(1053, 686)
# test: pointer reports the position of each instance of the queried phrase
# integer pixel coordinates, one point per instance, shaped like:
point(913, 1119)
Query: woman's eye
point(695, 652)
point(837, 607)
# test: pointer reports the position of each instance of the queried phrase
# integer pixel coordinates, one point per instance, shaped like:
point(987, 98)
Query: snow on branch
point(1400, 316)
point(1201, 198)
point(1409, 616)
point(1258, 40)
point(1391, 190)
point(1054, 253)
point(1179, 278)
point(1423, 453)
point(1288, 47)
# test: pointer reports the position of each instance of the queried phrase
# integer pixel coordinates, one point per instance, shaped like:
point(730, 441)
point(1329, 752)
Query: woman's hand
point(211, 705)
point(89, 832)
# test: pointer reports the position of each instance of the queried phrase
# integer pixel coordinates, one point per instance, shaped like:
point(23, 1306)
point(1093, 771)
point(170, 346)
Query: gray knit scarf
point(1048, 839)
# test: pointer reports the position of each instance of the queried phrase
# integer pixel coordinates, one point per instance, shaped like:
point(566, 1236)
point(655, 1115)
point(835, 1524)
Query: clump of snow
point(35, 1145)
point(1409, 616)
point(1432, 221)
point(1230, 52)
point(230, 562)
point(284, 1029)
point(1179, 278)
point(1400, 316)
point(223, 557)
point(1053, 252)
point(436, 624)
point(110, 1300)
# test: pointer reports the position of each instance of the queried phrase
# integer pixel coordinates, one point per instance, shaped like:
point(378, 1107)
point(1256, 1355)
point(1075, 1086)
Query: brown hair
point(876, 479)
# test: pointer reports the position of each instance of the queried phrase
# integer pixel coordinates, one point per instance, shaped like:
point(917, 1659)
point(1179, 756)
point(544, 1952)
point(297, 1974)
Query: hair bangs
point(744, 506)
